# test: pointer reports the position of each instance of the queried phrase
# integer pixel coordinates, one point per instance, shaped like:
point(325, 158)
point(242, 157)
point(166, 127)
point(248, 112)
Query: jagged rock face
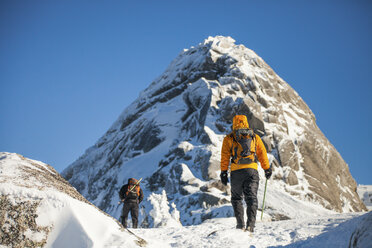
point(172, 135)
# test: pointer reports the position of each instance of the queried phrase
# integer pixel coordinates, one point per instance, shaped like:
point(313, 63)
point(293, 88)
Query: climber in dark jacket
point(132, 195)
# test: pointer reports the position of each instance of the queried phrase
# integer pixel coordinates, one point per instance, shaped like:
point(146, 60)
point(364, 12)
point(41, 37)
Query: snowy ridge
point(40, 209)
point(172, 135)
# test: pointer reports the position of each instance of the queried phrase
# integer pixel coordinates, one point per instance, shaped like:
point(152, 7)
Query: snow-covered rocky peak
point(38, 208)
point(171, 135)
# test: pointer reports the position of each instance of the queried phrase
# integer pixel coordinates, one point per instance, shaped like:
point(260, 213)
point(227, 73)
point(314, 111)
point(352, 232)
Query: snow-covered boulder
point(38, 208)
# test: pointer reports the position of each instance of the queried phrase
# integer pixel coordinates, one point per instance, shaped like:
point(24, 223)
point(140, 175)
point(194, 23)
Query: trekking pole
point(263, 203)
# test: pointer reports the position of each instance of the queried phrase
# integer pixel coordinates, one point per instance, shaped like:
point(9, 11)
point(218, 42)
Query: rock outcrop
point(39, 208)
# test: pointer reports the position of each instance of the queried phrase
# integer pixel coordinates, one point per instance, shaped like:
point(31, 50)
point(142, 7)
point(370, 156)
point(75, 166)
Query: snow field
point(332, 231)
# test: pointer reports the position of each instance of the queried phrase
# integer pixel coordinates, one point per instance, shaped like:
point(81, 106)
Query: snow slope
point(332, 231)
point(40, 209)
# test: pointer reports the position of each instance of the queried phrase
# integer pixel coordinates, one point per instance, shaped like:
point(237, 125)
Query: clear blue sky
point(69, 68)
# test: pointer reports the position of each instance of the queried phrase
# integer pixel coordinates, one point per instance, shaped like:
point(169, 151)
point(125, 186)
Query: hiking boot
point(239, 227)
point(250, 229)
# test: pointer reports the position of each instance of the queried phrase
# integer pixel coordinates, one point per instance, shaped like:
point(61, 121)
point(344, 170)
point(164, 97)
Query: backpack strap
point(255, 145)
point(136, 189)
point(233, 150)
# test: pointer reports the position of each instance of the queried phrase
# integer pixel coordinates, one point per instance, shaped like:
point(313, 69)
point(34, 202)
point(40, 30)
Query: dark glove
point(268, 173)
point(224, 178)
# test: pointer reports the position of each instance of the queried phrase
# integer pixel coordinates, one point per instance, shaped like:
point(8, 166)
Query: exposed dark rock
point(292, 178)
point(288, 156)
point(128, 120)
point(156, 181)
point(267, 142)
point(147, 137)
point(204, 139)
point(206, 199)
point(221, 127)
point(216, 184)
point(226, 107)
point(278, 217)
point(202, 160)
point(16, 219)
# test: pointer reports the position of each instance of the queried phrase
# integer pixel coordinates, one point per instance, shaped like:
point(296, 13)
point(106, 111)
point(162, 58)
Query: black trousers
point(133, 208)
point(245, 182)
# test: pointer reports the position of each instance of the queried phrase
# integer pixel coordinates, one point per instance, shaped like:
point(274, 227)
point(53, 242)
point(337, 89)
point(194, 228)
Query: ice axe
point(131, 189)
point(263, 203)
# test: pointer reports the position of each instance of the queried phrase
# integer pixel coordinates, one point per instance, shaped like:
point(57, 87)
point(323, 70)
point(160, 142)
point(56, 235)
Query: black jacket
point(131, 196)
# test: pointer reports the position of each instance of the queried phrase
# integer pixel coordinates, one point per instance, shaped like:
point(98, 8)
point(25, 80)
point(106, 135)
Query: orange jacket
point(226, 153)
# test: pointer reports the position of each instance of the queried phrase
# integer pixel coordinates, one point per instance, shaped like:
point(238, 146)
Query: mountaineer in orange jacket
point(241, 149)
